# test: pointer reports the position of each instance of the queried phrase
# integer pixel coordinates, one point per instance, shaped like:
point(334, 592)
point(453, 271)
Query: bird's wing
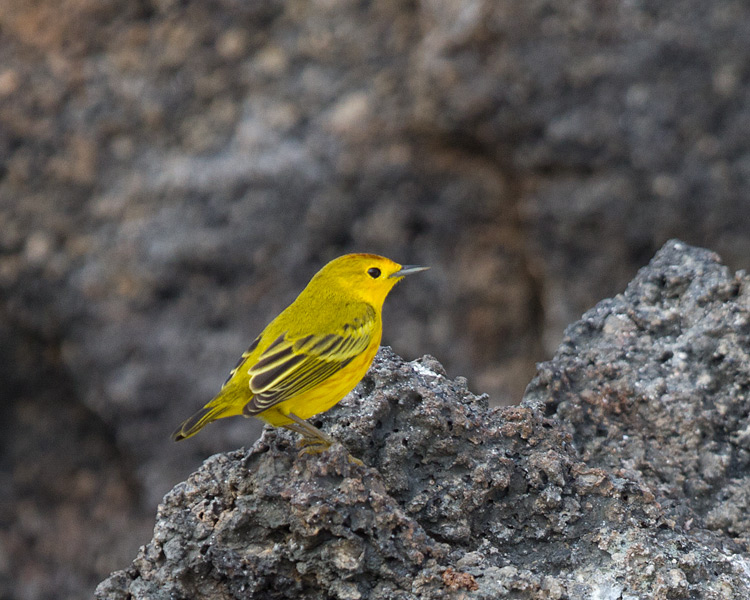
point(242, 360)
point(291, 366)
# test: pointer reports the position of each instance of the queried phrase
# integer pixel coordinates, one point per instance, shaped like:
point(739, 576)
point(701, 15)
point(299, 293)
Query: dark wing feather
point(292, 366)
point(242, 359)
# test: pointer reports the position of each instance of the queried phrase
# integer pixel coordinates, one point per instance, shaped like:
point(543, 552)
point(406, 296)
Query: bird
point(312, 354)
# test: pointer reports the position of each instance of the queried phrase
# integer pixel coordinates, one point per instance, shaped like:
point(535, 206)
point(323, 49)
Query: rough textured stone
point(653, 385)
point(621, 475)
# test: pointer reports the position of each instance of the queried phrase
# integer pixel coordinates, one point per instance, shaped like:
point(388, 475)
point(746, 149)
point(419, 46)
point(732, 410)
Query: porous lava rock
point(653, 386)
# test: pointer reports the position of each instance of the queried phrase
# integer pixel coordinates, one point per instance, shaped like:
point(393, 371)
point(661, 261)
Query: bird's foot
point(316, 446)
point(355, 461)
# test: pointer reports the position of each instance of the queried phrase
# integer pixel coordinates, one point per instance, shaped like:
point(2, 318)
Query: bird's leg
point(296, 429)
point(311, 435)
point(314, 441)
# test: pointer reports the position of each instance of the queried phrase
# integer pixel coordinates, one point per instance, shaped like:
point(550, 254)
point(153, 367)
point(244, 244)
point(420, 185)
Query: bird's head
point(367, 276)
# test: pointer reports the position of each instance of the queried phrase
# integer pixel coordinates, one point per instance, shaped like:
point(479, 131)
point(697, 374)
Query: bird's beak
point(407, 270)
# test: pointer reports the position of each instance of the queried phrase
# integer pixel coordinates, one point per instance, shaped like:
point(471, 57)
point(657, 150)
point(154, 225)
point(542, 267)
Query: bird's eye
point(374, 272)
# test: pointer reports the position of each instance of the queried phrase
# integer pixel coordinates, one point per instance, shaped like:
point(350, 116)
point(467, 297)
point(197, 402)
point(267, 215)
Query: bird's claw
point(316, 446)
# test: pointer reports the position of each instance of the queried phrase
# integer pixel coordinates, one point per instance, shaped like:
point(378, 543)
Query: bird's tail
point(199, 420)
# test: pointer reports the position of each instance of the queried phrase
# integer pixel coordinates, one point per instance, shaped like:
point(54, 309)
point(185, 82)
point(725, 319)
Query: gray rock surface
point(654, 385)
point(621, 475)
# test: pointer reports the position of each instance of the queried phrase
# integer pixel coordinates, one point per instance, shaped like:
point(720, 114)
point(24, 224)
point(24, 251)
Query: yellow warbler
point(311, 355)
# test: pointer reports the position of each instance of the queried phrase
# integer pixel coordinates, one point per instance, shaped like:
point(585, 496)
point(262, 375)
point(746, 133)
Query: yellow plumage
point(311, 355)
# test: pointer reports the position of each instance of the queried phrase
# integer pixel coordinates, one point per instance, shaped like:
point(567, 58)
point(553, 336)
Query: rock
point(619, 476)
point(67, 495)
point(652, 385)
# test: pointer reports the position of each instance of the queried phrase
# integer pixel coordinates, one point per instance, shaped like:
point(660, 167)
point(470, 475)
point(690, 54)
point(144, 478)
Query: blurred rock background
point(172, 172)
